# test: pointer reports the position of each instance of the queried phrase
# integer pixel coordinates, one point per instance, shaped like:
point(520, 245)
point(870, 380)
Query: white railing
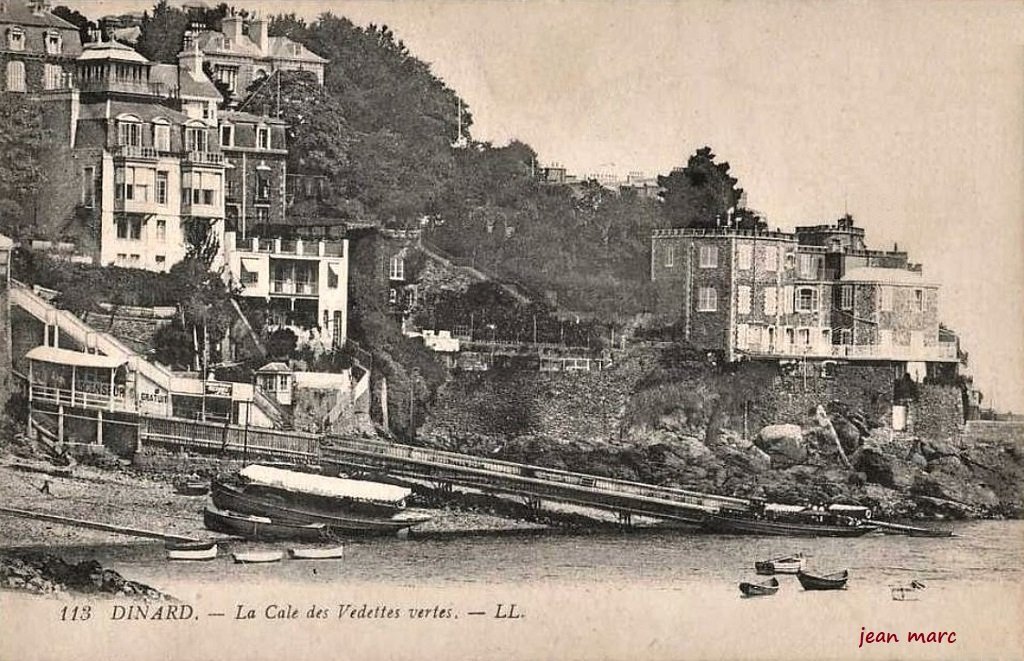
point(82, 399)
point(132, 151)
point(944, 351)
point(293, 287)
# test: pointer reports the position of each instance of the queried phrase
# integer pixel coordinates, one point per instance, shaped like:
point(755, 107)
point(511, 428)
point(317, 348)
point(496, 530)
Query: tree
point(162, 33)
point(21, 174)
point(282, 343)
point(201, 242)
point(76, 18)
point(204, 306)
point(700, 194)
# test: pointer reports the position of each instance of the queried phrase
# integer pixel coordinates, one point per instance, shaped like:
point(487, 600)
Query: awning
point(251, 264)
point(73, 358)
point(322, 485)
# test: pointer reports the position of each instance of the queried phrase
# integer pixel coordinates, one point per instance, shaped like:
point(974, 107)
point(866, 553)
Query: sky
point(910, 115)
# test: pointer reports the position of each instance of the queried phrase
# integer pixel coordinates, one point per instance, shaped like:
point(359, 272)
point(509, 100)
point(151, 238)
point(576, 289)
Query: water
point(643, 595)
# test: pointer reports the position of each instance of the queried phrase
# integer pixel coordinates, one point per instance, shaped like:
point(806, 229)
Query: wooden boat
point(282, 510)
point(260, 527)
point(762, 589)
point(320, 492)
point(834, 581)
point(930, 532)
point(329, 553)
point(256, 557)
point(192, 545)
point(207, 553)
point(787, 564)
point(734, 525)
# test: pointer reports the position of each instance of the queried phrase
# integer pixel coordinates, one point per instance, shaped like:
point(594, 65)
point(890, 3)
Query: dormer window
point(227, 135)
point(195, 139)
point(161, 135)
point(129, 131)
point(263, 137)
point(54, 43)
point(15, 39)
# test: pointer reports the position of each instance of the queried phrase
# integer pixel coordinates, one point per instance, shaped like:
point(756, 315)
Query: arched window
point(129, 130)
point(15, 76)
point(15, 39)
point(54, 43)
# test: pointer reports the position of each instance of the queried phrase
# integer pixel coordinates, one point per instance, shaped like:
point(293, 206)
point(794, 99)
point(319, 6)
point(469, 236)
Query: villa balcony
point(292, 247)
point(293, 288)
point(203, 157)
point(131, 152)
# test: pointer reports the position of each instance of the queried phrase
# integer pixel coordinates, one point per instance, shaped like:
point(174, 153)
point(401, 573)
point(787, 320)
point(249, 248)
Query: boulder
point(934, 449)
point(784, 444)
point(877, 467)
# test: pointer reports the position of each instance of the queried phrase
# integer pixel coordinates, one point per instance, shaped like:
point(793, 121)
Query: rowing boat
point(330, 553)
point(834, 581)
point(787, 564)
point(204, 552)
point(762, 589)
point(261, 527)
point(255, 557)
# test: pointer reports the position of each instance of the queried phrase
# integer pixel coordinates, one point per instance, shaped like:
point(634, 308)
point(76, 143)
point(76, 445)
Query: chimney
point(191, 59)
point(231, 27)
point(259, 34)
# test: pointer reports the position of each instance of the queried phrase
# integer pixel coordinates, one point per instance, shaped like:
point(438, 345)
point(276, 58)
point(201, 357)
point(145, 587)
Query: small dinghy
point(192, 487)
point(191, 550)
point(326, 553)
point(907, 592)
point(834, 581)
point(254, 557)
point(787, 564)
point(762, 589)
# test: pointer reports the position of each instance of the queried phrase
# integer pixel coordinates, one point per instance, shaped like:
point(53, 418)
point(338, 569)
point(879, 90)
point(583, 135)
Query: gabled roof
point(212, 42)
point(282, 47)
point(18, 12)
point(57, 356)
point(274, 368)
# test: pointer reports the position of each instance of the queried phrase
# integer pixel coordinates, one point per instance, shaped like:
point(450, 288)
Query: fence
point(173, 433)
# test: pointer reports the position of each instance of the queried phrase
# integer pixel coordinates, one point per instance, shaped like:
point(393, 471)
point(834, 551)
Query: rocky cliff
point(793, 433)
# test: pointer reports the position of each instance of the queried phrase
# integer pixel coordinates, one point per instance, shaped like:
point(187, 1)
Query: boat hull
point(769, 567)
point(736, 526)
point(763, 589)
point(317, 554)
point(829, 582)
point(257, 557)
point(258, 529)
point(192, 554)
point(228, 497)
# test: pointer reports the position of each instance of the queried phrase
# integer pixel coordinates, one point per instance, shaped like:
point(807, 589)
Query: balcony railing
point(132, 151)
point(83, 399)
point(297, 247)
point(942, 352)
point(293, 288)
point(204, 157)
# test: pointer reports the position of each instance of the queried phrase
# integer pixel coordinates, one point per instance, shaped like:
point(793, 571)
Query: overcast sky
point(910, 115)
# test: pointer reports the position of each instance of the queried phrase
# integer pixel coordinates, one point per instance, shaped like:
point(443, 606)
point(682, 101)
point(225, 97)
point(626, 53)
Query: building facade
point(37, 49)
point(814, 293)
point(144, 140)
point(303, 282)
point(256, 170)
point(240, 55)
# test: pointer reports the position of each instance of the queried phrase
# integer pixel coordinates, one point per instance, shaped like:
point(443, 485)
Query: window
point(263, 137)
point(15, 39)
point(743, 299)
point(52, 75)
point(745, 256)
point(886, 296)
point(262, 215)
point(885, 337)
point(195, 139)
point(89, 187)
point(199, 188)
point(803, 337)
point(846, 297)
point(842, 336)
point(771, 258)
point(15, 76)
point(808, 266)
point(133, 259)
point(54, 43)
point(806, 299)
point(129, 228)
point(129, 133)
point(392, 295)
point(122, 258)
point(919, 299)
point(397, 268)
point(132, 184)
point(707, 300)
point(670, 256)
point(262, 187)
point(227, 75)
point(708, 257)
point(161, 230)
point(787, 299)
point(161, 136)
point(227, 135)
point(771, 296)
point(161, 188)
point(161, 261)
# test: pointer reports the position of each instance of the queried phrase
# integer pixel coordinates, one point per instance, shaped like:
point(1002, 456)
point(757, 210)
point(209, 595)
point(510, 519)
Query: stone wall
point(938, 411)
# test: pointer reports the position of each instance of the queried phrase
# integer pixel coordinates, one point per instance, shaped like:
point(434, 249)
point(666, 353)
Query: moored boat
point(328, 553)
point(281, 510)
point(194, 552)
point(256, 557)
point(320, 492)
point(833, 581)
point(192, 487)
point(762, 589)
point(736, 525)
point(787, 564)
point(260, 527)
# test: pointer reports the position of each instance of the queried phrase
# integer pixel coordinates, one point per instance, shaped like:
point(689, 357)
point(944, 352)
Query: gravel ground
point(150, 503)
